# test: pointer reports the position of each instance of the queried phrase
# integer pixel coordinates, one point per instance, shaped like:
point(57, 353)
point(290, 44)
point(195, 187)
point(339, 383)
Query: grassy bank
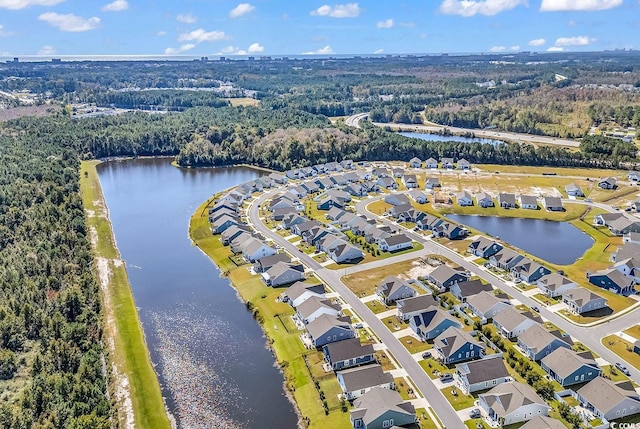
point(303, 373)
point(134, 383)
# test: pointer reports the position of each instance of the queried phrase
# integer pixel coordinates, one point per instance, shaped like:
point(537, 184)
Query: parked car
point(446, 377)
point(474, 413)
point(536, 309)
point(426, 355)
point(622, 368)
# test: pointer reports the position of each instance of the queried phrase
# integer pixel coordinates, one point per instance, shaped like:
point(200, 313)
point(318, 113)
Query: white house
point(394, 243)
point(512, 402)
point(464, 198)
point(256, 249)
point(554, 285)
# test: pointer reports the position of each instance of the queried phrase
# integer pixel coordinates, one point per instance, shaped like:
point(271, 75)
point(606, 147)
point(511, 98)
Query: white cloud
point(200, 36)
point(322, 51)
point(182, 48)
point(498, 49)
point(514, 48)
point(571, 23)
point(537, 42)
point(574, 41)
point(47, 50)
point(21, 4)
point(241, 9)
point(161, 33)
point(565, 5)
point(70, 22)
point(555, 49)
point(186, 18)
point(254, 48)
point(379, 51)
point(4, 33)
point(483, 7)
point(385, 24)
point(349, 10)
point(116, 6)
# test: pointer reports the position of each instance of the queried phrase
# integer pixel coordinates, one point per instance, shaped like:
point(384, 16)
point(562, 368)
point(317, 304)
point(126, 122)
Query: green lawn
point(384, 360)
point(394, 324)
point(459, 401)
point(424, 420)
point(433, 368)
point(122, 327)
point(544, 299)
point(622, 348)
point(413, 345)
point(634, 331)
point(377, 306)
point(404, 388)
point(609, 371)
point(364, 282)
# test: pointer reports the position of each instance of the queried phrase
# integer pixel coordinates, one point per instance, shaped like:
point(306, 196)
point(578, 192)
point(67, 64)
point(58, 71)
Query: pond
point(557, 242)
point(210, 354)
point(439, 138)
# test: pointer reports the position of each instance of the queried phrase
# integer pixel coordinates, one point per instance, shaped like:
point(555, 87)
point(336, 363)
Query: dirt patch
point(418, 269)
point(22, 111)
point(123, 397)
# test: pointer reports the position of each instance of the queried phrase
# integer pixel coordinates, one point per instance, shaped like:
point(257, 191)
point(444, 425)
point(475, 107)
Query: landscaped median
point(133, 381)
point(312, 388)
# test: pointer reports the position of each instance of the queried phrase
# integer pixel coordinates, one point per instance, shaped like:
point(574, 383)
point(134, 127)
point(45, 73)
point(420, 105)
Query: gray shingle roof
point(508, 397)
point(416, 303)
point(537, 338)
point(364, 377)
point(348, 349)
point(482, 370)
point(564, 361)
point(543, 422)
point(483, 301)
point(553, 281)
point(319, 326)
point(452, 339)
point(378, 401)
point(604, 394)
point(581, 296)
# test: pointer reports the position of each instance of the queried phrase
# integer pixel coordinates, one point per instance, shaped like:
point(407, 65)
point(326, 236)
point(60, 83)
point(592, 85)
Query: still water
point(557, 242)
point(439, 138)
point(214, 368)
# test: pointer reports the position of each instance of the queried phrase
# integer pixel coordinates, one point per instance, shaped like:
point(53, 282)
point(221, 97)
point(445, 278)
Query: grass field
point(243, 101)
point(364, 282)
point(634, 331)
point(560, 171)
point(622, 348)
point(414, 345)
point(459, 401)
point(128, 356)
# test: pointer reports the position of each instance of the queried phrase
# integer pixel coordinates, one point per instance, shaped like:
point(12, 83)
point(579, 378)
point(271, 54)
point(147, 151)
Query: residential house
point(278, 178)
point(292, 219)
point(555, 284)
point(409, 307)
point(623, 225)
point(415, 162)
point(347, 164)
point(633, 176)
point(630, 267)
point(635, 206)
point(627, 250)
point(364, 175)
point(608, 400)
point(345, 252)
point(455, 345)
point(314, 235)
point(352, 177)
point(324, 183)
point(410, 181)
point(328, 243)
point(608, 183)
point(431, 323)
point(340, 195)
point(431, 163)
point(528, 271)
point(224, 205)
point(387, 183)
point(418, 196)
point(463, 164)
point(528, 202)
point(543, 422)
point(224, 222)
point(507, 201)
point(428, 222)
point(220, 213)
point(449, 230)
point(484, 247)
point(397, 172)
point(263, 264)
point(372, 235)
point(314, 307)
point(581, 300)
point(432, 183)
point(279, 214)
point(229, 234)
point(568, 367)
point(302, 227)
point(511, 323)
point(484, 200)
point(339, 179)
point(464, 290)
point(256, 249)
point(393, 288)
point(299, 292)
point(512, 402)
point(355, 382)
point(573, 190)
point(283, 273)
point(311, 187)
point(411, 215)
point(446, 163)
point(328, 329)
point(286, 199)
point(536, 342)
point(334, 213)
point(380, 172)
point(552, 204)
point(394, 243)
point(293, 174)
point(505, 259)
point(481, 374)
point(348, 354)
point(381, 408)
point(612, 280)
point(606, 218)
point(633, 238)
point(444, 276)
point(485, 305)
point(299, 191)
point(396, 210)
point(464, 198)
point(397, 200)
point(356, 190)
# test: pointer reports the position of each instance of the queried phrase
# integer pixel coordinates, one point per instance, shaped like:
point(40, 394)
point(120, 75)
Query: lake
point(210, 354)
point(439, 138)
point(557, 242)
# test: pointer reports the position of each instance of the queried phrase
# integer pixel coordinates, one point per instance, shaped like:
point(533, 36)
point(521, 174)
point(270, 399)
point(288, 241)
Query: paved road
point(590, 336)
point(492, 134)
point(438, 402)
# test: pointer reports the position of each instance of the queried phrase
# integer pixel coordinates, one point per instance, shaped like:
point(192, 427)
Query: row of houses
point(300, 173)
point(445, 163)
point(507, 200)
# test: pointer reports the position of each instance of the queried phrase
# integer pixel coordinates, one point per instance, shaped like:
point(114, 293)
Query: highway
point(438, 402)
point(353, 121)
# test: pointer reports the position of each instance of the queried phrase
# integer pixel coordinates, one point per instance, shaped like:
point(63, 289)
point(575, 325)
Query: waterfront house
point(455, 345)
point(507, 201)
point(555, 284)
point(314, 307)
point(415, 162)
point(573, 190)
point(484, 200)
point(224, 222)
point(464, 198)
point(345, 252)
point(484, 247)
point(444, 276)
point(263, 264)
point(431, 323)
point(609, 400)
point(552, 204)
point(431, 163)
point(348, 354)
point(569, 367)
point(231, 233)
point(485, 305)
point(381, 408)
point(224, 212)
point(528, 271)
point(283, 273)
point(394, 243)
point(355, 382)
point(511, 323)
point(581, 300)
point(481, 374)
point(623, 225)
point(528, 202)
point(418, 196)
point(612, 280)
point(393, 288)
point(505, 259)
point(512, 402)
point(409, 307)
point(464, 290)
point(299, 292)
point(224, 205)
point(608, 183)
point(630, 267)
point(256, 249)
point(328, 329)
point(536, 342)
point(278, 178)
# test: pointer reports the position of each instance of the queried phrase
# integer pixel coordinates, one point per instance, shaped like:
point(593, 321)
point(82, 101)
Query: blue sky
point(293, 27)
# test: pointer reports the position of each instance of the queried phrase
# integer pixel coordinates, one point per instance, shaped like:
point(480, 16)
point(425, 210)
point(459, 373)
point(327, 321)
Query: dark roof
point(270, 261)
point(348, 349)
point(483, 370)
point(364, 377)
point(397, 239)
point(417, 303)
point(473, 287)
point(377, 402)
